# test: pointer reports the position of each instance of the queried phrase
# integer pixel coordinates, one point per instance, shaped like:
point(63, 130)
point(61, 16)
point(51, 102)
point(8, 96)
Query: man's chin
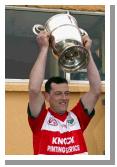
point(62, 112)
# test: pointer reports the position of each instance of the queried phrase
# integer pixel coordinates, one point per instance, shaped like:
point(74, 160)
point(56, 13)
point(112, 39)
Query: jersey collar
point(61, 117)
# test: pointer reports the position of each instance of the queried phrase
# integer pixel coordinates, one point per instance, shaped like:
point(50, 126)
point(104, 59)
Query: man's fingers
point(87, 41)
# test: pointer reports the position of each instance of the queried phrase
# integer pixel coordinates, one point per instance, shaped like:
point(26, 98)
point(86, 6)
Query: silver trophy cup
point(68, 48)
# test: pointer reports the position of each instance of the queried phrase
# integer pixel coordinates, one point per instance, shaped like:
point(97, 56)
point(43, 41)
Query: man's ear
point(46, 95)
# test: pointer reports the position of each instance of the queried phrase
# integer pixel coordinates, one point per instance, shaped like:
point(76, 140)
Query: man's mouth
point(62, 103)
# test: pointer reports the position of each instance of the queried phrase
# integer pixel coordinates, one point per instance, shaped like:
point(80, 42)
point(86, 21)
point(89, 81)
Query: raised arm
point(90, 98)
point(36, 98)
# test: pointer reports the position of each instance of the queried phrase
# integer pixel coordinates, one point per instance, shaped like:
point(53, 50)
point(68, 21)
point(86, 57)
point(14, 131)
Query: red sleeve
point(36, 123)
point(82, 115)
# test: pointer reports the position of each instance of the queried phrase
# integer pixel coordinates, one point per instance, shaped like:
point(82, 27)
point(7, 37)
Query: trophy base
point(72, 56)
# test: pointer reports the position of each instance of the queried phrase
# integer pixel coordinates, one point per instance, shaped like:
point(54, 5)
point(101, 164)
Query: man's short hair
point(57, 80)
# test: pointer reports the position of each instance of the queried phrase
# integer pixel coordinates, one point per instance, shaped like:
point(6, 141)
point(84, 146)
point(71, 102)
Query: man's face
point(58, 97)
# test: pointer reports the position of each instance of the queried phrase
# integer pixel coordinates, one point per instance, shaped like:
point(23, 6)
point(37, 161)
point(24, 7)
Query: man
point(56, 131)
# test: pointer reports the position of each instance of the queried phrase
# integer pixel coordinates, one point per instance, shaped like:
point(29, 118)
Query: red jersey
point(56, 134)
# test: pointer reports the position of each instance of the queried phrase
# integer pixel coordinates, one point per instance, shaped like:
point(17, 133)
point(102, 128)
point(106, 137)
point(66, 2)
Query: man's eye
point(58, 93)
point(67, 93)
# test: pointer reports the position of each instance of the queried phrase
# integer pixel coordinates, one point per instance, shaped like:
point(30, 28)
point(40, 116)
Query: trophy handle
point(37, 28)
point(83, 32)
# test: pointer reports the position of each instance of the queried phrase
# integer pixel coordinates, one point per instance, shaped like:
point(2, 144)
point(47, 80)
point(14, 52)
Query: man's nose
point(64, 96)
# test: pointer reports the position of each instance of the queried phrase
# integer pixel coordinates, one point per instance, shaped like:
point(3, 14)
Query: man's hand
point(43, 39)
point(87, 42)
